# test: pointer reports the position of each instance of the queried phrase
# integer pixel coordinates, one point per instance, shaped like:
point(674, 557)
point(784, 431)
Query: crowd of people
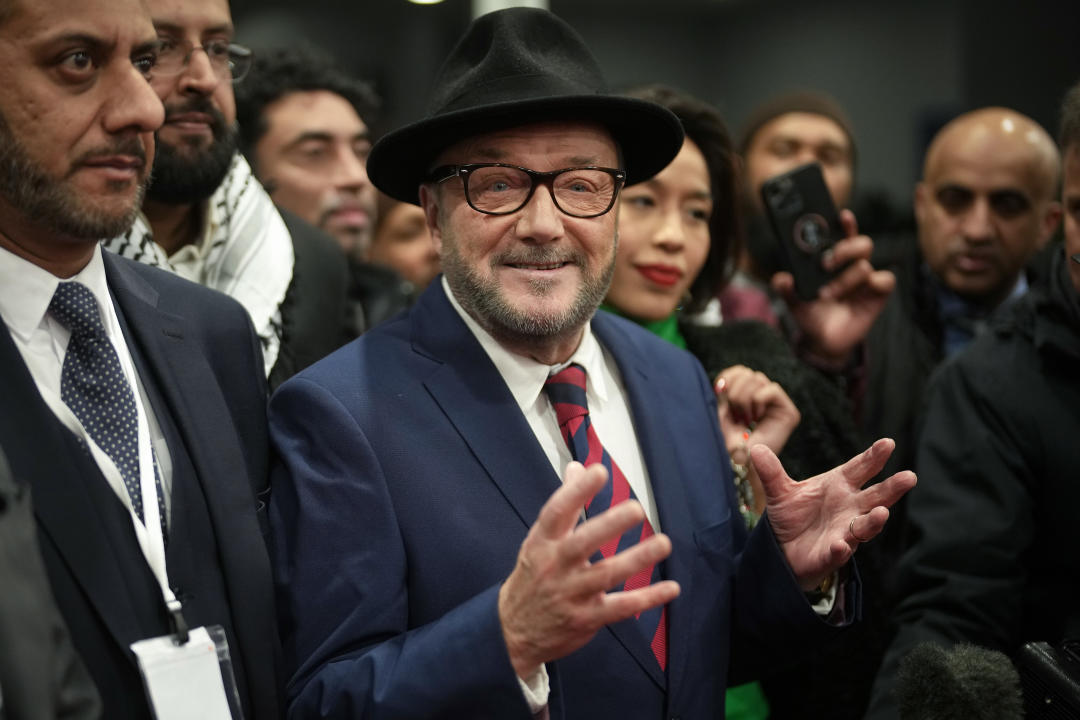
point(514, 411)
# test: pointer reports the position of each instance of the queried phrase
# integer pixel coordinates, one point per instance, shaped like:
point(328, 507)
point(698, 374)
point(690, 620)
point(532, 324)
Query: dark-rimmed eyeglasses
point(228, 60)
point(501, 189)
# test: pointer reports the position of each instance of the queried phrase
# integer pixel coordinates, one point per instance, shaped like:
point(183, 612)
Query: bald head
point(986, 202)
point(1016, 139)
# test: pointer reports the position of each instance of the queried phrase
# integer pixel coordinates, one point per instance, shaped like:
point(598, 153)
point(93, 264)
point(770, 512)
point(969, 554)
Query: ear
point(429, 201)
point(922, 199)
point(1050, 220)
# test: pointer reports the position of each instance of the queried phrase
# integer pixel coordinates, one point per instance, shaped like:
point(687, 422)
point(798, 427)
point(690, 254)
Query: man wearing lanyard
point(133, 401)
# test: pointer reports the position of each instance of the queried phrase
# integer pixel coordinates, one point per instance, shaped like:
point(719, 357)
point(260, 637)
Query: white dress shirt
point(42, 341)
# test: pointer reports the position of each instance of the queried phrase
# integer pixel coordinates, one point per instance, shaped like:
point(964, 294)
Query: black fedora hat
point(514, 67)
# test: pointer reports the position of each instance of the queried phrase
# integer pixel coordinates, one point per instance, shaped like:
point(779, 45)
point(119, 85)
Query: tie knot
point(74, 307)
point(566, 391)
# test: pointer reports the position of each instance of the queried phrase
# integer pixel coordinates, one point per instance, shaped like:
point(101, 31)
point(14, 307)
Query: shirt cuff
point(536, 690)
point(824, 603)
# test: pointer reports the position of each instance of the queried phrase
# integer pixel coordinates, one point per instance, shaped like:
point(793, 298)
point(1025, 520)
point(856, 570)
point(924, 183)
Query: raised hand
point(820, 522)
point(841, 316)
point(555, 600)
point(753, 409)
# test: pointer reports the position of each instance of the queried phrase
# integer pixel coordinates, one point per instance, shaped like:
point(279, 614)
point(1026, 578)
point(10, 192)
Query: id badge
point(191, 680)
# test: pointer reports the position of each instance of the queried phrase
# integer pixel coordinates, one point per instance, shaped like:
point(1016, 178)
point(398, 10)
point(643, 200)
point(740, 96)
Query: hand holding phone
point(806, 225)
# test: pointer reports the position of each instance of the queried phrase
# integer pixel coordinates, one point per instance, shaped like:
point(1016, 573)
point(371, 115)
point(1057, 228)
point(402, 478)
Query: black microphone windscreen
point(965, 683)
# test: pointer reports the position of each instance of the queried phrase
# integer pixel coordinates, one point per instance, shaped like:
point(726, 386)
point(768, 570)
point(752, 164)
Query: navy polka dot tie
point(93, 385)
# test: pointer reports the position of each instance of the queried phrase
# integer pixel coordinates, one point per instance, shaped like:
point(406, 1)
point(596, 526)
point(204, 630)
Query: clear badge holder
point(188, 675)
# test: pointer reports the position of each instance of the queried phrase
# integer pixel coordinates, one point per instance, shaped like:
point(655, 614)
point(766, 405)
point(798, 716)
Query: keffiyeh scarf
point(248, 255)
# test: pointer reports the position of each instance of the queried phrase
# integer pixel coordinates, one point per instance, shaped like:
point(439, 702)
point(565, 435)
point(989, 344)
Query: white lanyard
point(149, 535)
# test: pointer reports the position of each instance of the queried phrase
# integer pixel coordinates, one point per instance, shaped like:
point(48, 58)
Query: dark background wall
point(901, 69)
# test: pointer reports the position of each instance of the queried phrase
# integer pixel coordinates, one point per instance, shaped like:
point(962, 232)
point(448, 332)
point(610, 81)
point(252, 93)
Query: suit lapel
point(74, 505)
point(198, 410)
point(476, 400)
point(658, 441)
point(188, 390)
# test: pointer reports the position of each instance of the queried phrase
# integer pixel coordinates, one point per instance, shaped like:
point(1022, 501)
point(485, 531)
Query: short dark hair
point(706, 128)
point(1069, 134)
point(277, 73)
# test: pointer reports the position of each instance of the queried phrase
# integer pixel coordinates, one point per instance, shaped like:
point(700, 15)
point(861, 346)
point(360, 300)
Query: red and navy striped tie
point(566, 391)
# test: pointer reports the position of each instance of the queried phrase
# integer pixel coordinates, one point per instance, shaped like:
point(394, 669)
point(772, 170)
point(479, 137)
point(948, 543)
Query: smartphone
point(806, 224)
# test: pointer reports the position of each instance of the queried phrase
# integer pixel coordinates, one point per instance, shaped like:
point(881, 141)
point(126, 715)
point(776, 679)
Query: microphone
point(965, 683)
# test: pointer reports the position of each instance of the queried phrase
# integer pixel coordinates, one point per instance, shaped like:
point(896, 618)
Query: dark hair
point(276, 73)
point(704, 126)
point(1069, 134)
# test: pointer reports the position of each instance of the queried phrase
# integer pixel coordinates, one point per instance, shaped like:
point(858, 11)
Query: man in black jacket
point(985, 205)
point(994, 558)
point(304, 127)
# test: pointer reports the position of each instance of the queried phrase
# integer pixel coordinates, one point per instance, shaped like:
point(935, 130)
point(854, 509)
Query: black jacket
point(835, 682)
point(313, 314)
point(994, 557)
point(201, 368)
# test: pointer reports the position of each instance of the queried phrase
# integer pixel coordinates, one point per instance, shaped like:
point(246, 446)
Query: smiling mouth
point(534, 266)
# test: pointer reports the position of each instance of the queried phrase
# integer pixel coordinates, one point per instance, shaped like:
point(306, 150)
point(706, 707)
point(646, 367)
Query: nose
point(977, 224)
point(351, 170)
point(540, 221)
point(199, 77)
point(131, 104)
point(671, 235)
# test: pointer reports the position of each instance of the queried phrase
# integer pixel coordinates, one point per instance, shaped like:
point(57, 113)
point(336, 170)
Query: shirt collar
point(526, 377)
point(198, 250)
point(28, 290)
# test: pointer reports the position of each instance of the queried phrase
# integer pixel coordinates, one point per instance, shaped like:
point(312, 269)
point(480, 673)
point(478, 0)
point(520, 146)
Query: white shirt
point(42, 341)
point(189, 261)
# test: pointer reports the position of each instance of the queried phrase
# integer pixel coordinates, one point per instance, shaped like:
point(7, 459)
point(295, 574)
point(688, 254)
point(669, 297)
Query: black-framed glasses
point(501, 189)
point(228, 60)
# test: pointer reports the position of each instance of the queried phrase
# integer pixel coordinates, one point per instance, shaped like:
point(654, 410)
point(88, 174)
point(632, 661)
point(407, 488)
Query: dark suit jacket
point(41, 677)
point(200, 364)
point(408, 481)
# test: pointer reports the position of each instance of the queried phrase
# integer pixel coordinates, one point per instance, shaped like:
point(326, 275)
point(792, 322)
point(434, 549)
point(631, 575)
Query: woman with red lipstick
point(678, 238)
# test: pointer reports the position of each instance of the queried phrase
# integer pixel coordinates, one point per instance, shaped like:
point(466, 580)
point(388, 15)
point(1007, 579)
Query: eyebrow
point(310, 135)
point(79, 38)
point(170, 27)
point(323, 136)
point(145, 46)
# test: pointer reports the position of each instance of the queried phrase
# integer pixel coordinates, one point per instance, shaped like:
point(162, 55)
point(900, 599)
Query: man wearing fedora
point(429, 559)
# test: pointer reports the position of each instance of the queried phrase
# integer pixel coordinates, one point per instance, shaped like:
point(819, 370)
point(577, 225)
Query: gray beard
point(483, 299)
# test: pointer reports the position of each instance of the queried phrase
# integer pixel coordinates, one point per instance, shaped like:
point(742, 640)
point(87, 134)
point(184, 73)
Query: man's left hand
point(820, 521)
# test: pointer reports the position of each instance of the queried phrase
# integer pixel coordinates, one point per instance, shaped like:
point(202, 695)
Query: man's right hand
point(555, 600)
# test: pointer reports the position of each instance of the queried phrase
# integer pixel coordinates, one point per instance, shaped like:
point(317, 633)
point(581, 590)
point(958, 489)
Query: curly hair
point(704, 126)
point(276, 73)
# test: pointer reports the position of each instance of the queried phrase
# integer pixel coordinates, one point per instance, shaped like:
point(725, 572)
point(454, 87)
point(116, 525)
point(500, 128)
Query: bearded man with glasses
point(206, 218)
point(437, 552)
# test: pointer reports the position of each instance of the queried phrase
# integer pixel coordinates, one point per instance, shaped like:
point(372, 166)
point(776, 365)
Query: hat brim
point(649, 136)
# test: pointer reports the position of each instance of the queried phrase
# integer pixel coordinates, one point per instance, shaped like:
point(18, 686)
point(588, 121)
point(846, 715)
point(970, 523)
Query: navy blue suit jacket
point(407, 482)
point(200, 364)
